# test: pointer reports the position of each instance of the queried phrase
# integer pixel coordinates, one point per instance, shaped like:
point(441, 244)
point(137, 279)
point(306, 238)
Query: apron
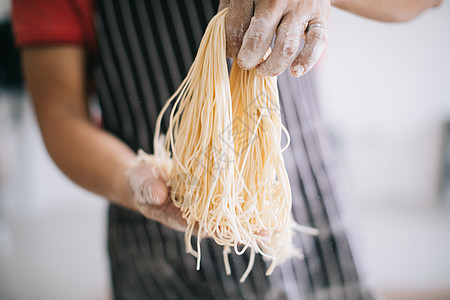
point(145, 49)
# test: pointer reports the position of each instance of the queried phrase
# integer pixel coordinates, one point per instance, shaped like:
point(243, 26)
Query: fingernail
point(161, 194)
point(298, 70)
point(156, 193)
point(263, 233)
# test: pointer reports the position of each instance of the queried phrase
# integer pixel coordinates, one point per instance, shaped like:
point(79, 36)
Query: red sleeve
point(38, 22)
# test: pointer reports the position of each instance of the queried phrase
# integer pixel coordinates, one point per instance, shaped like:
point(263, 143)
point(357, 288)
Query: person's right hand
point(147, 190)
point(250, 26)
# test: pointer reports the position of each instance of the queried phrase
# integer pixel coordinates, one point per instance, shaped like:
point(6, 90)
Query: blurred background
point(385, 91)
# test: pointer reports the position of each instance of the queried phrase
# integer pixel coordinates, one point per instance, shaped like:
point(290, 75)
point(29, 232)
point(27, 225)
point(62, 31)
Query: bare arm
point(386, 10)
point(91, 157)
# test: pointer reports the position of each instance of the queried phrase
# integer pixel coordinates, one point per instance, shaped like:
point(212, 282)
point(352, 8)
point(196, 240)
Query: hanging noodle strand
point(223, 158)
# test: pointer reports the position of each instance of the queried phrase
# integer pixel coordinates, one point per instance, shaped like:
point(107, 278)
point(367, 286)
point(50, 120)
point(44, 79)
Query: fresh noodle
point(227, 174)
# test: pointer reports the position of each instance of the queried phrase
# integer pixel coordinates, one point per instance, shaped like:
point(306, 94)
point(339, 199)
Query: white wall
point(386, 94)
point(52, 232)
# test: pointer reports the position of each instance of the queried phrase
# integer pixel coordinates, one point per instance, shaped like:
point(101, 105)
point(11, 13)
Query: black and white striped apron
point(145, 49)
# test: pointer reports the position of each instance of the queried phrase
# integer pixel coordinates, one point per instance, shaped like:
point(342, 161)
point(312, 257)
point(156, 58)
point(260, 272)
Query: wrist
point(122, 192)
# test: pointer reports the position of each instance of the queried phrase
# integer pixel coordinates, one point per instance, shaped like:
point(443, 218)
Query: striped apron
point(145, 49)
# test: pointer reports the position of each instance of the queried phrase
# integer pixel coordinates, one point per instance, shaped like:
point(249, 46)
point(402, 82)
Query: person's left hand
point(145, 187)
point(251, 24)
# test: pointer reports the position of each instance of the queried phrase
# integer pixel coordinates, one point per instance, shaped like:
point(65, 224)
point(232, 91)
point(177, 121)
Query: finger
point(154, 192)
point(149, 190)
point(173, 218)
point(237, 21)
point(287, 44)
point(315, 41)
point(259, 35)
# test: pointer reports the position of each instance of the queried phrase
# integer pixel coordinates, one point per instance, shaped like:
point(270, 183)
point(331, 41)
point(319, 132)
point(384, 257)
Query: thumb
point(155, 192)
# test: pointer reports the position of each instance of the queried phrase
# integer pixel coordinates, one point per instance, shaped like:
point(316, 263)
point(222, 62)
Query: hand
point(148, 192)
point(251, 24)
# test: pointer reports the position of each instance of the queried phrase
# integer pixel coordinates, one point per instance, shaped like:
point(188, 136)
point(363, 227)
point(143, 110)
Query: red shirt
point(39, 22)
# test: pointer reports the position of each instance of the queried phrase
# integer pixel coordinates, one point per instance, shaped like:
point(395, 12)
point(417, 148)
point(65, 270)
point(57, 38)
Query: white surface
point(53, 234)
point(408, 249)
point(386, 94)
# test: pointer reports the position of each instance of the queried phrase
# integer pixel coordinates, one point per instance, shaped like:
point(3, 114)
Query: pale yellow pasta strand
point(227, 172)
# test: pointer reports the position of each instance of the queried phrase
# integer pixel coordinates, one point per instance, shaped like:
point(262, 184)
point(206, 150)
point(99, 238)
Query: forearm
point(96, 160)
point(89, 156)
point(386, 10)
